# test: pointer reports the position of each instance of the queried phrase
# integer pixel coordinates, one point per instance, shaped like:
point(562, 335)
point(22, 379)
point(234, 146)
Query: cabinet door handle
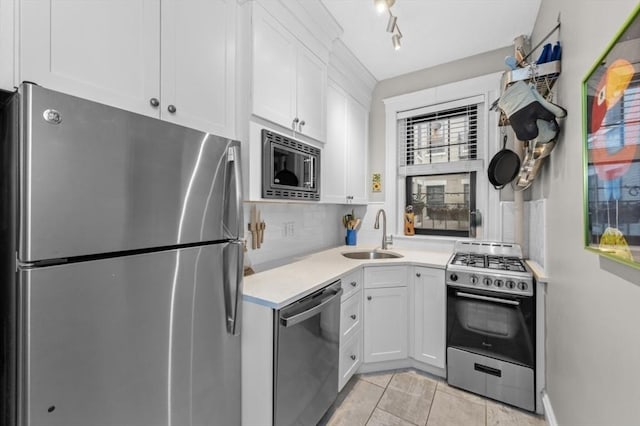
point(295, 123)
point(353, 283)
point(353, 316)
point(154, 102)
point(171, 109)
point(353, 357)
point(368, 297)
point(302, 123)
point(418, 274)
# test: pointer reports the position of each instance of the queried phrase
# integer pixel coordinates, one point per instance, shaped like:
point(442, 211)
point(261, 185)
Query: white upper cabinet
point(289, 81)
point(311, 89)
point(198, 64)
point(147, 56)
point(345, 152)
point(356, 167)
point(334, 173)
point(104, 51)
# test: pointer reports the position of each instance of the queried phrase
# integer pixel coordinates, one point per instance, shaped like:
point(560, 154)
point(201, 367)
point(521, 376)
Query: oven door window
point(292, 170)
point(491, 324)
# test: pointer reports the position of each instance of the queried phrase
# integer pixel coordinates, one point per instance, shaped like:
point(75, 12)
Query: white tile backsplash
point(534, 228)
point(537, 230)
point(294, 230)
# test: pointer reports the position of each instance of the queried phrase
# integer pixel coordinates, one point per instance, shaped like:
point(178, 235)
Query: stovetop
point(500, 263)
point(490, 266)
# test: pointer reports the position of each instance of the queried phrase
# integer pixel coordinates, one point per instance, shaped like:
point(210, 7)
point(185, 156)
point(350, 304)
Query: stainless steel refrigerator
point(121, 267)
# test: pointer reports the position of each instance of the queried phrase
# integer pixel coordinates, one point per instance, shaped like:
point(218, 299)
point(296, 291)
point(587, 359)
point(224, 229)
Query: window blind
point(441, 136)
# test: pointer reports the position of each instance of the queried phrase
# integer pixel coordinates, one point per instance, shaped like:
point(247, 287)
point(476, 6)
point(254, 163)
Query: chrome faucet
point(386, 241)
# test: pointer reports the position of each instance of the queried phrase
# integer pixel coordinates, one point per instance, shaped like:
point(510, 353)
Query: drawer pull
point(488, 370)
point(418, 274)
point(353, 283)
point(353, 316)
point(353, 357)
point(368, 297)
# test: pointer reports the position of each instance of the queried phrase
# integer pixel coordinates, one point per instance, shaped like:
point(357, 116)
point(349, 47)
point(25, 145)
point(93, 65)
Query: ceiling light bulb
point(382, 5)
point(396, 41)
point(392, 23)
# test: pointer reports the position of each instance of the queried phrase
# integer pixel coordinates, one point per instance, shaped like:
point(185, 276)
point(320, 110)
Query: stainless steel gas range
point(491, 322)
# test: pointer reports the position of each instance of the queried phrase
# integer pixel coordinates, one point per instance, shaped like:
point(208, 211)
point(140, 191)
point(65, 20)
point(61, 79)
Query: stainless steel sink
point(371, 255)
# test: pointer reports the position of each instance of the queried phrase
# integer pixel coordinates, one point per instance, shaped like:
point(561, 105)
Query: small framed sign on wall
point(611, 129)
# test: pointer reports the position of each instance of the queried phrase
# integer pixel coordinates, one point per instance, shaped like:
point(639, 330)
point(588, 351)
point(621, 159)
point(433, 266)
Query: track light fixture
point(395, 39)
point(392, 23)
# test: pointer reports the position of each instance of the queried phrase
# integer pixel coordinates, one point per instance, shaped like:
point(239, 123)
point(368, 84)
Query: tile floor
point(409, 398)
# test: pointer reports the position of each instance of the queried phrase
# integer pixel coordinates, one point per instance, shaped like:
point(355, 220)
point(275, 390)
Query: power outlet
point(288, 229)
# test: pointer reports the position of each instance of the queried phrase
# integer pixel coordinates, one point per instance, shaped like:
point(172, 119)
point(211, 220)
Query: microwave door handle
point(308, 165)
point(298, 318)
point(488, 298)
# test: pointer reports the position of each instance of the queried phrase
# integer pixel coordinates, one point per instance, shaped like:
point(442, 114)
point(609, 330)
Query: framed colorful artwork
point(611, 129)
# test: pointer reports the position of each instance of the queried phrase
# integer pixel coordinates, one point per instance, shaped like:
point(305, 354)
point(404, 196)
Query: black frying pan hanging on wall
point(504, 166)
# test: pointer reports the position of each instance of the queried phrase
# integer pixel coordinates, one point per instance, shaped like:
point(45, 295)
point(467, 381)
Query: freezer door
point(138, 340)
point(96, 179)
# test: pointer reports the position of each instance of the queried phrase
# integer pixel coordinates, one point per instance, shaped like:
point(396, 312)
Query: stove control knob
point(497, 283)
point(473, 279)
point(453, 277)
point(522, 286)
point(510, 285)
point(486, 281)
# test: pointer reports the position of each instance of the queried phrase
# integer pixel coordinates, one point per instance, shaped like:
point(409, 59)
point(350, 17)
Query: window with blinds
point(438, 155)
point(439, 137)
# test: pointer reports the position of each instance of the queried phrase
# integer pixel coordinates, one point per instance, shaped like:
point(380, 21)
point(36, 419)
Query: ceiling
point(434, 31)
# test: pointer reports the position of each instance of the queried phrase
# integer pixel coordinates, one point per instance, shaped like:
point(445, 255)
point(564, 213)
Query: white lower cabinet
point(350, 327)
point(350, 359)
point(386, 317)
point(428, 315)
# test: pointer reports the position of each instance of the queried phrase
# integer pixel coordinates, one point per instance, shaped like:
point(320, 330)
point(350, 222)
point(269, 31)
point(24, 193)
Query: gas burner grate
point(469, 259)
point(505, 263)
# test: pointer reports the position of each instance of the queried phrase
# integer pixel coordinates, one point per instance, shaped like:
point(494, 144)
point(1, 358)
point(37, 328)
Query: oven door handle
point(488, 298)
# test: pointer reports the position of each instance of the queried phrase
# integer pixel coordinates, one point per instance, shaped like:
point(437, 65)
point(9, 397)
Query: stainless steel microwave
point(290, 168)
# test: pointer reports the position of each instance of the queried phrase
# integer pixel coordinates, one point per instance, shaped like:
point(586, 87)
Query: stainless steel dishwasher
point(306, 357)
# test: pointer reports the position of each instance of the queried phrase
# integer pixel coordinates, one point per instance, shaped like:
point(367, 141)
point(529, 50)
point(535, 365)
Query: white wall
point(593, 341)
point(474, 66)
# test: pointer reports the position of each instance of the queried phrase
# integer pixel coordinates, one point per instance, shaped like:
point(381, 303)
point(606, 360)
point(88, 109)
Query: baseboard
point(374, 367)
point(548, 410)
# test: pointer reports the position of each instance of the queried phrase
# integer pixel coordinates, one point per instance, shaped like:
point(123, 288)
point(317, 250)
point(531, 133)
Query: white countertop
point(280, 286)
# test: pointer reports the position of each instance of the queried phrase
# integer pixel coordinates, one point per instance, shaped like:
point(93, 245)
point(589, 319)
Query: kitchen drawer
point(351, 283)
point(504, 381)
point(385, 276)
point(350, 359)
point(351, 316)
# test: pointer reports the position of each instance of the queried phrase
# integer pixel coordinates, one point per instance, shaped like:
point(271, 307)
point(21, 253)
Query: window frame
point(486, 88)
point(472, 206)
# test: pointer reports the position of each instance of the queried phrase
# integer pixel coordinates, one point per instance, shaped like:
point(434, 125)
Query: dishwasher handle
point(298, 318)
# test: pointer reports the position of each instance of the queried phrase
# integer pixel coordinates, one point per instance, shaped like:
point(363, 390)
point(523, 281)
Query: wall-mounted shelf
point(543, 76)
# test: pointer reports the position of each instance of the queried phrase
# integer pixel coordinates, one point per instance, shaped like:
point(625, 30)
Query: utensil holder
point(351, 239)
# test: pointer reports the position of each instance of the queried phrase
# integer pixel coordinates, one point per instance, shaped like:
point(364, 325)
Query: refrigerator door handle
point(233, 194)
point(233, 269)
